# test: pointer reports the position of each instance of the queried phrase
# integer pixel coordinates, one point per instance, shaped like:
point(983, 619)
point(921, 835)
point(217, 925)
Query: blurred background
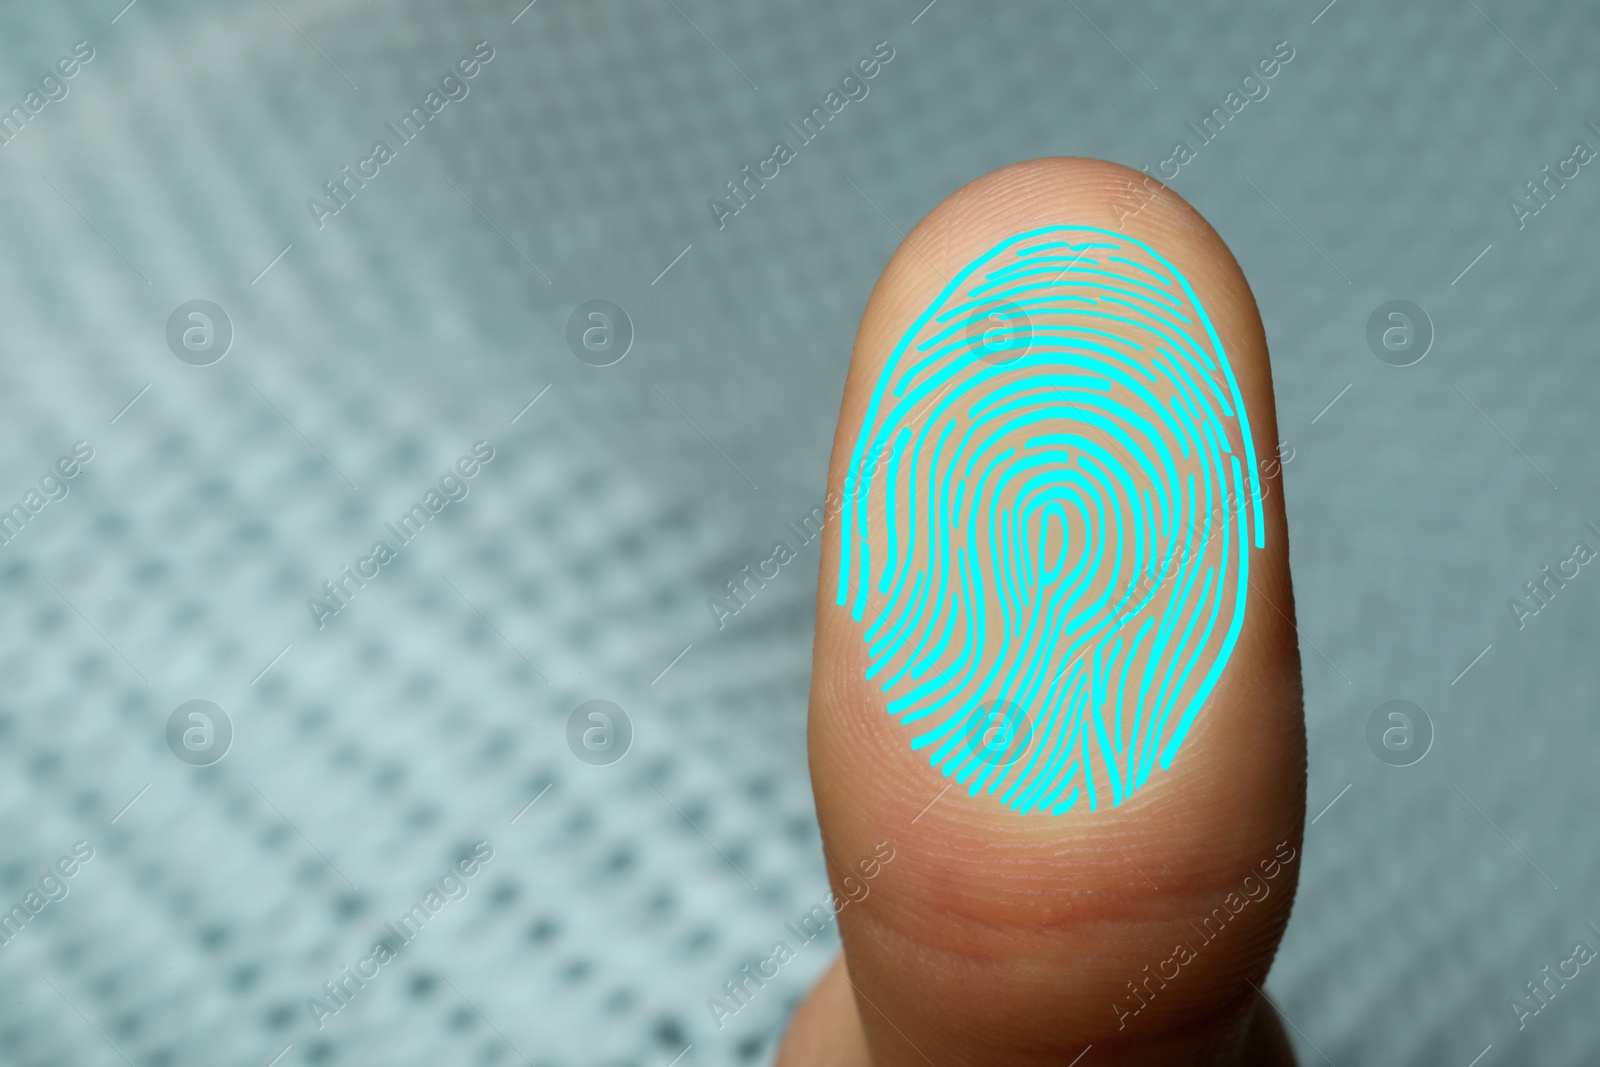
point(229, 457)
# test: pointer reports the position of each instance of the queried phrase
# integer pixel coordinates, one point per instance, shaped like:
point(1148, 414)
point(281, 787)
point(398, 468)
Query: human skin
point(997, 938)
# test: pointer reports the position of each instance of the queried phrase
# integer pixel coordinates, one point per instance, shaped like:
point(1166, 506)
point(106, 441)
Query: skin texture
point(994, 938)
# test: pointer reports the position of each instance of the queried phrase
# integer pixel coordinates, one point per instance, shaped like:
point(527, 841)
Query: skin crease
point(994, 938)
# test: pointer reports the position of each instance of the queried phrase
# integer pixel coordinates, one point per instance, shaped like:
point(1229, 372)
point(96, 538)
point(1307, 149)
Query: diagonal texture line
point(1471, 665)
point(303, 836)
point(899, 231)
point(130, 404)
point(1113, 44)
point(304, 438)
point(1263, 994)
point(669, 266)
point(1121, 853)
point(713, 44)
point(492, 1026)
point(530, 404)
point(1298, 230)
point(530, 804)
point(886, 1019)
point(673, 664)
point(313, 44)
point(497, 230)
point(702, 433)
point(271, 665)
point(130, 804)
point(934, 801)
point(274, 263)
point(702, 833)
point(91, 1025)
point(496, 629)
point(99, 231)
point(1513, 44)
point(1332, 402)
point(1474, 263)
point(1331, 803)
point(96, 629)
point(1301, 635)
point(1503, 836)
point(1502, 433)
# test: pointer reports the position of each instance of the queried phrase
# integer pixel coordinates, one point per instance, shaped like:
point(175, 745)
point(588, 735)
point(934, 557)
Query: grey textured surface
point(428, 313)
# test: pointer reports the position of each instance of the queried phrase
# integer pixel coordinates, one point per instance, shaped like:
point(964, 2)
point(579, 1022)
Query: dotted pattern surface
point(428, 714)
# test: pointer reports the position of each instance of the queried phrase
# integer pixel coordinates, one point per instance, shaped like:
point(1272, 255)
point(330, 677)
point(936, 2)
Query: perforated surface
point(426, 315)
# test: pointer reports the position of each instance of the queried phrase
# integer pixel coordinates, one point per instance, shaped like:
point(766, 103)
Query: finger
point(826, 1028)
point(1078, 861)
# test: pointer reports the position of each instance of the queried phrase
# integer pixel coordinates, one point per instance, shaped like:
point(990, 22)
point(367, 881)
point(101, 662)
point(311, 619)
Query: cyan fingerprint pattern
point(1047, 520)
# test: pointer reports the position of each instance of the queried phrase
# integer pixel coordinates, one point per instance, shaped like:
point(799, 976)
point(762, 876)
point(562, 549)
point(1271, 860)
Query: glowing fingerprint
point(1047, 520)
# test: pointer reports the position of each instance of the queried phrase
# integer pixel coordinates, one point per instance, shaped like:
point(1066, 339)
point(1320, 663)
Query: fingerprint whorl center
point(1047, 520)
